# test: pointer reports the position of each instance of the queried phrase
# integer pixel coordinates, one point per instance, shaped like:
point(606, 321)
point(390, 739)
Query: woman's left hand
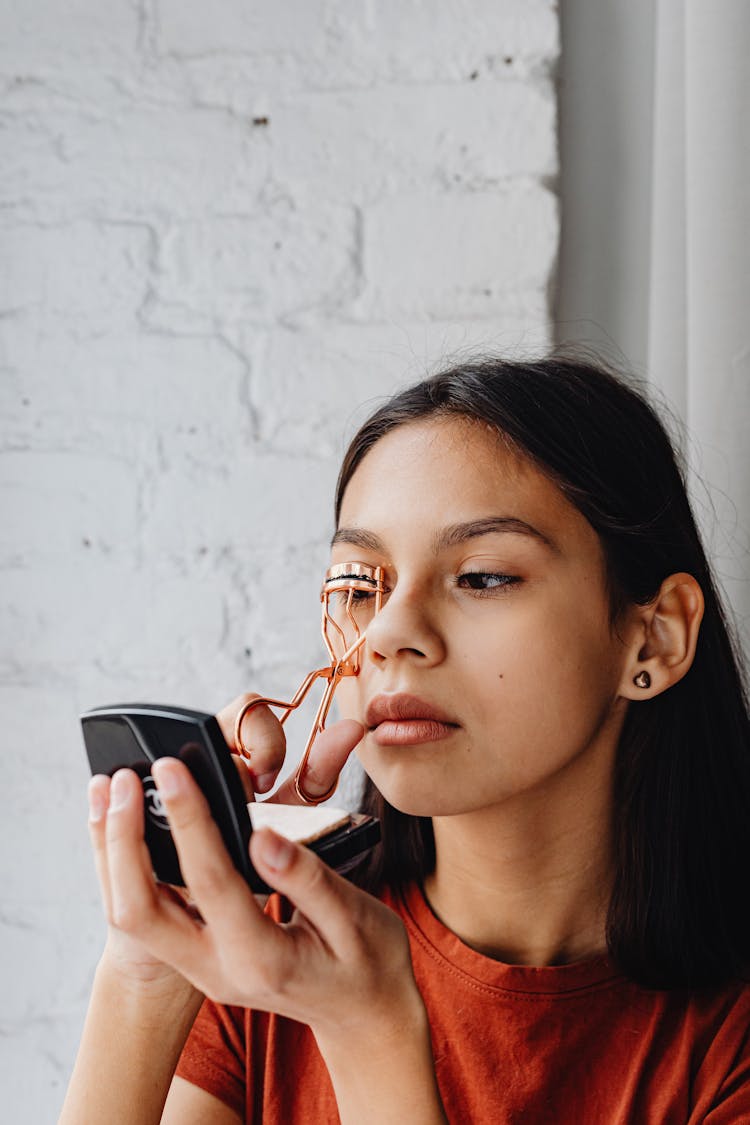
point(343, 958)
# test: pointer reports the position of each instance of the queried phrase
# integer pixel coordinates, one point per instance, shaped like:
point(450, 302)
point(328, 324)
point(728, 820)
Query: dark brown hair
point(679, 915)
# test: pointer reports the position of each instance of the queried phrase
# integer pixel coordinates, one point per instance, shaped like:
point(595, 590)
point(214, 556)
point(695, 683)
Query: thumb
point(328, 757)
point(293, 870)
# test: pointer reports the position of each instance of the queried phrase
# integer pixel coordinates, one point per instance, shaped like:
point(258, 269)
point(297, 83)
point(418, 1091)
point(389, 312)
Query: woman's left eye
point(482, 580)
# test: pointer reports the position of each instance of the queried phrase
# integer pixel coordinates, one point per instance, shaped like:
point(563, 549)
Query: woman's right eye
point(352, 584)
point(362, 595)
point(342, 596)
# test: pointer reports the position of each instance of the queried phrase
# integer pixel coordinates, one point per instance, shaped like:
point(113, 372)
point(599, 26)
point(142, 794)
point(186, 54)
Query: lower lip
point(411, 732)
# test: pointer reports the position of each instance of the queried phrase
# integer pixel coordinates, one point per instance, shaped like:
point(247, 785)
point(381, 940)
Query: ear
point(664, 636)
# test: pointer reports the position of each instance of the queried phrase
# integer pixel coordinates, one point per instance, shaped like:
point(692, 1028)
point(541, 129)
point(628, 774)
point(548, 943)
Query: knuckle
point(271, 979)
point(313, 773)
point(376, 929)
point(186, 816)
point(227, 715)
point(96, 835)
point(267, 730)
point(189, 810)
point(317, 779)
point(117, 829)
point(361, 928)
point(318, 878)
point(241, 701)
point(132, 917)
point(246, 697)
point(263, 736)
point(209, 881)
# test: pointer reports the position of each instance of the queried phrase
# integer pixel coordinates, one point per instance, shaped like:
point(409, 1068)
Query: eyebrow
point(452, 535)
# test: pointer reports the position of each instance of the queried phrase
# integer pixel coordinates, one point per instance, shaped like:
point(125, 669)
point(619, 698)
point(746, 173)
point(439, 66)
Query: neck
point(528, 882)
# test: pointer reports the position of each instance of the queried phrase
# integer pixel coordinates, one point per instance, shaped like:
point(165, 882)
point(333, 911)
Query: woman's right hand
point(263, 733)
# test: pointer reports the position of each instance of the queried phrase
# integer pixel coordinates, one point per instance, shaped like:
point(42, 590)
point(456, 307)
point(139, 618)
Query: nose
point(405, 629)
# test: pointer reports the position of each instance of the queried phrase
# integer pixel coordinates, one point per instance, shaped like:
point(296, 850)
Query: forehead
point(443, 470)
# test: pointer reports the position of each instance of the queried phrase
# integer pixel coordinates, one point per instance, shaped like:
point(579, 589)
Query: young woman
point(556, 927)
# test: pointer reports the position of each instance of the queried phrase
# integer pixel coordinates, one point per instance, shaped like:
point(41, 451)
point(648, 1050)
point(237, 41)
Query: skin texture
point(506, 631)
point(523, 659)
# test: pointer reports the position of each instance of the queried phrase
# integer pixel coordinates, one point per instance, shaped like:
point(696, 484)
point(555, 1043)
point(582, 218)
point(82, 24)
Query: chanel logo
point(155, 810)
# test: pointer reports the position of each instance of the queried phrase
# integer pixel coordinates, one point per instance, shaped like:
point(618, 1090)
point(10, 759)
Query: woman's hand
point(342, 964)
point(262, 731)
point(342, 961)
point(110, 822)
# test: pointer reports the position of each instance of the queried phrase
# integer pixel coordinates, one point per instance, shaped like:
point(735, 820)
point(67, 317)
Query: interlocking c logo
point(155, 810)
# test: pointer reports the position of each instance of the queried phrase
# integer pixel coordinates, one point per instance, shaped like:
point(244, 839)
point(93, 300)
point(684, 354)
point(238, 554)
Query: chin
point(407, 796)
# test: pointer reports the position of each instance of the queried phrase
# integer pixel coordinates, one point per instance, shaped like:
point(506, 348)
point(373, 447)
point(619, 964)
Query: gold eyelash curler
point(343, 582)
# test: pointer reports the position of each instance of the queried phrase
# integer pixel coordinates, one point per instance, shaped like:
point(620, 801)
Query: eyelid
point(492, 570)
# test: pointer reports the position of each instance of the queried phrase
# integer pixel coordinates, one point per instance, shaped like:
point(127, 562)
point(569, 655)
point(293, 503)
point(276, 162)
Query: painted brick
point(415, 135)
point(345, 44)
point(457, 256)
point(38, 40)
point(140, 391)
point(312, 387)
point(225, 232)
point(193, 29)
point(90, 274)
point(134, 161)
point(282, 262)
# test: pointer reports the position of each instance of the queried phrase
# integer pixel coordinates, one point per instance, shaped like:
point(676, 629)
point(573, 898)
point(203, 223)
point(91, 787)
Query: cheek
point(547, 674)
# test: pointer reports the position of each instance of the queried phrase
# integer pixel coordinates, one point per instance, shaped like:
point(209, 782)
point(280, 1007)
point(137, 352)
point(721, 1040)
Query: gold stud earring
point(642, 679)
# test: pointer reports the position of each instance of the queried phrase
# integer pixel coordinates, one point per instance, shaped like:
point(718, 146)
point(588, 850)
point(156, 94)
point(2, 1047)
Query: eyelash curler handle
point(333, 674)
point(362, 578)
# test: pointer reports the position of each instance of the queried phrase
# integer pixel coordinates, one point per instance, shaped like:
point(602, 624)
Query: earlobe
point(670, 624)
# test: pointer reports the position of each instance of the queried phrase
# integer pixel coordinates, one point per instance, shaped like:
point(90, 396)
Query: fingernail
point(167, 777)
point(97, 799)
point(119, 791)
point(275, 850)
point(263, 783)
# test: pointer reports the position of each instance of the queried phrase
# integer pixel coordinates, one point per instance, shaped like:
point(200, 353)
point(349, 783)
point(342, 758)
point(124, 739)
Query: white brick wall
point(194, 305)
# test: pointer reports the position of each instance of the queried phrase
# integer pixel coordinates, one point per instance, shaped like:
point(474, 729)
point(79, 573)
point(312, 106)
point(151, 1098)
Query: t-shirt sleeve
point(730, 1102)
point(214, 1056)
point(733, 1102)
point(218, 1056)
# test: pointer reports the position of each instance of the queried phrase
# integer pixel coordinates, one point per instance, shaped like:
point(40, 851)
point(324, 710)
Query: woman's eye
point(361, 595)
point(482, 580)
point(358, 597)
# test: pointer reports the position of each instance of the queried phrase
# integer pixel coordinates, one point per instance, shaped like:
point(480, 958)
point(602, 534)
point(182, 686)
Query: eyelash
point(500, 584)
point(503, 582)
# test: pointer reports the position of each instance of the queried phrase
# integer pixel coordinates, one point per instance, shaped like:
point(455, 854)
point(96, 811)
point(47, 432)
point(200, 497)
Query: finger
point(222, 896)
point(140, 907)
point(262, 735)
point(330, 903)
point(133, 894)
point(246, 778)
point(328, 757)
point(98, 795)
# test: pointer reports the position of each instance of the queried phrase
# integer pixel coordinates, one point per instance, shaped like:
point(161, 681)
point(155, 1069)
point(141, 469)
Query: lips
point(399, 708)
point(406, 720)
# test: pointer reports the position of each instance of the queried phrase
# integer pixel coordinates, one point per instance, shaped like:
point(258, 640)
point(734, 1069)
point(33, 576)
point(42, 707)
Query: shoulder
point(715, 1030)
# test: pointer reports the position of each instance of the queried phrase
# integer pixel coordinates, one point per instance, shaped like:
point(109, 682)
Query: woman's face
point(491, 666)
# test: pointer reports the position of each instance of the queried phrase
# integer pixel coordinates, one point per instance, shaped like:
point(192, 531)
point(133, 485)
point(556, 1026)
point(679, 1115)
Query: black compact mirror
point(134, 735)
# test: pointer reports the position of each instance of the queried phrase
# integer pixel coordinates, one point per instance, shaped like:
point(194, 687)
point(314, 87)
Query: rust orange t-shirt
point(569, 1045)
